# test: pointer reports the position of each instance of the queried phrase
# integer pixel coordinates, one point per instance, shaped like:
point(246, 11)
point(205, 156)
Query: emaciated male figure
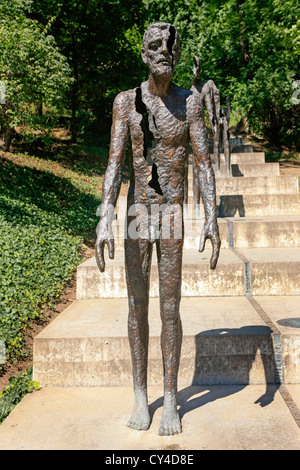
point(210, 94)
point(161, 111)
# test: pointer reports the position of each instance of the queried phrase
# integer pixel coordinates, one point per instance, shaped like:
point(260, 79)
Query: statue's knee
point(138, 305)
point(170, 313)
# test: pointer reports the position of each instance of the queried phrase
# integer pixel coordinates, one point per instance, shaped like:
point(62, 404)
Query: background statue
point(210, 95)
point(159, 111)
point(218, 118)
point(225, 136)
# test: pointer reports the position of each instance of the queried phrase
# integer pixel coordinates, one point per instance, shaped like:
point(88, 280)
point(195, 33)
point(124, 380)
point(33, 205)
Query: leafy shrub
point(18, 387)
point(32, 68)
point(42, 221)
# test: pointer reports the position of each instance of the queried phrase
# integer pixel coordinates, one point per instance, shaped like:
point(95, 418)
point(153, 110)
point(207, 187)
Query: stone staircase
point(232, 317)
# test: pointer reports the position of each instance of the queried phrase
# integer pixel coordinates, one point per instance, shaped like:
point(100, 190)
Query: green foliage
point(250, 48)
point(31, 66)
point(18, 387)
point(101, 43)
point(264, 91)
point(266, 100)
point(42, 221)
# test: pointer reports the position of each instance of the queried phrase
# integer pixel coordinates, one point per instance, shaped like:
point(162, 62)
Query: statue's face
point(158, 52)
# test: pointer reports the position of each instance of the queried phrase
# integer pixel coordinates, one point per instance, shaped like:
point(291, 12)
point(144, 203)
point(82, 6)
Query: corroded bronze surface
point(159, 111)
point(224, 135)
point(218, 118)
point(208, 94)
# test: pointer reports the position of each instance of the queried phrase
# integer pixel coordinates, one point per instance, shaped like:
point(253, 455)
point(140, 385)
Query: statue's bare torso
point(166, 120)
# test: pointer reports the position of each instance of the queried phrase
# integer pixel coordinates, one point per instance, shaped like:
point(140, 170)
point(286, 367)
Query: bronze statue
point(210, 94)
point(218, 118)
point(157, 110)
point(224, 135)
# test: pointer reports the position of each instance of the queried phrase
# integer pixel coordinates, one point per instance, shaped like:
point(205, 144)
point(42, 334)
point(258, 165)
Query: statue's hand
point(105, 237)
point(211, 231)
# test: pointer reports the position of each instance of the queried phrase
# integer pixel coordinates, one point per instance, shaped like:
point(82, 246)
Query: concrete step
point(236, 232)
point(252, 169)
point(192, 231)
point(225, 341)
point(247, 205)
point(246, 170)
point(272, 271)
point(198, 278)
point(255, 185)
point(264, 232)
point(240, 205)
point(228, 417)
point(257, 205)
point(242, 157)
point(261, 271)
point(242, 232)
point(280, 310)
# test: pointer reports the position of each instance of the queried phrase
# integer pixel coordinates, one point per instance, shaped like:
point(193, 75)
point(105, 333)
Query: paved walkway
point(213, 418)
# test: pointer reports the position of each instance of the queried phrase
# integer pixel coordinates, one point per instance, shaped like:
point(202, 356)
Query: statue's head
point(161, 48)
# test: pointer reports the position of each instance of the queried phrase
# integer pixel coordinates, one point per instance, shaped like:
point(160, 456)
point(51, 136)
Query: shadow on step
point(230, 205)
point(227, 360)
point(235, 169)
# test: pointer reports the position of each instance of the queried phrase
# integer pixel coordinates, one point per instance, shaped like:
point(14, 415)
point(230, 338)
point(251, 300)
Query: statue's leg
point(138, 255)
point(169, 253)
point(196, 191)
point(186, 186)
point(226, 149)
point(217, 150)
point(186, 192)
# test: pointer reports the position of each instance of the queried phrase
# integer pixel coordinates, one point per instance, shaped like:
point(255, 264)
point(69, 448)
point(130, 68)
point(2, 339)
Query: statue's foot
point(170, 422)
point(140, 418)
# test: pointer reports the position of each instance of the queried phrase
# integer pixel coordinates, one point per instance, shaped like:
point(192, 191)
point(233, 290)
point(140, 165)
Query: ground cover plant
point(44, 220)
point(18, 387)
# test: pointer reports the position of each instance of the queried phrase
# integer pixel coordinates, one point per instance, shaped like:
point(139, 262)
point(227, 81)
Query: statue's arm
point(206, 177)
point(212, 103)
point(208, 100)
point(112, 178)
